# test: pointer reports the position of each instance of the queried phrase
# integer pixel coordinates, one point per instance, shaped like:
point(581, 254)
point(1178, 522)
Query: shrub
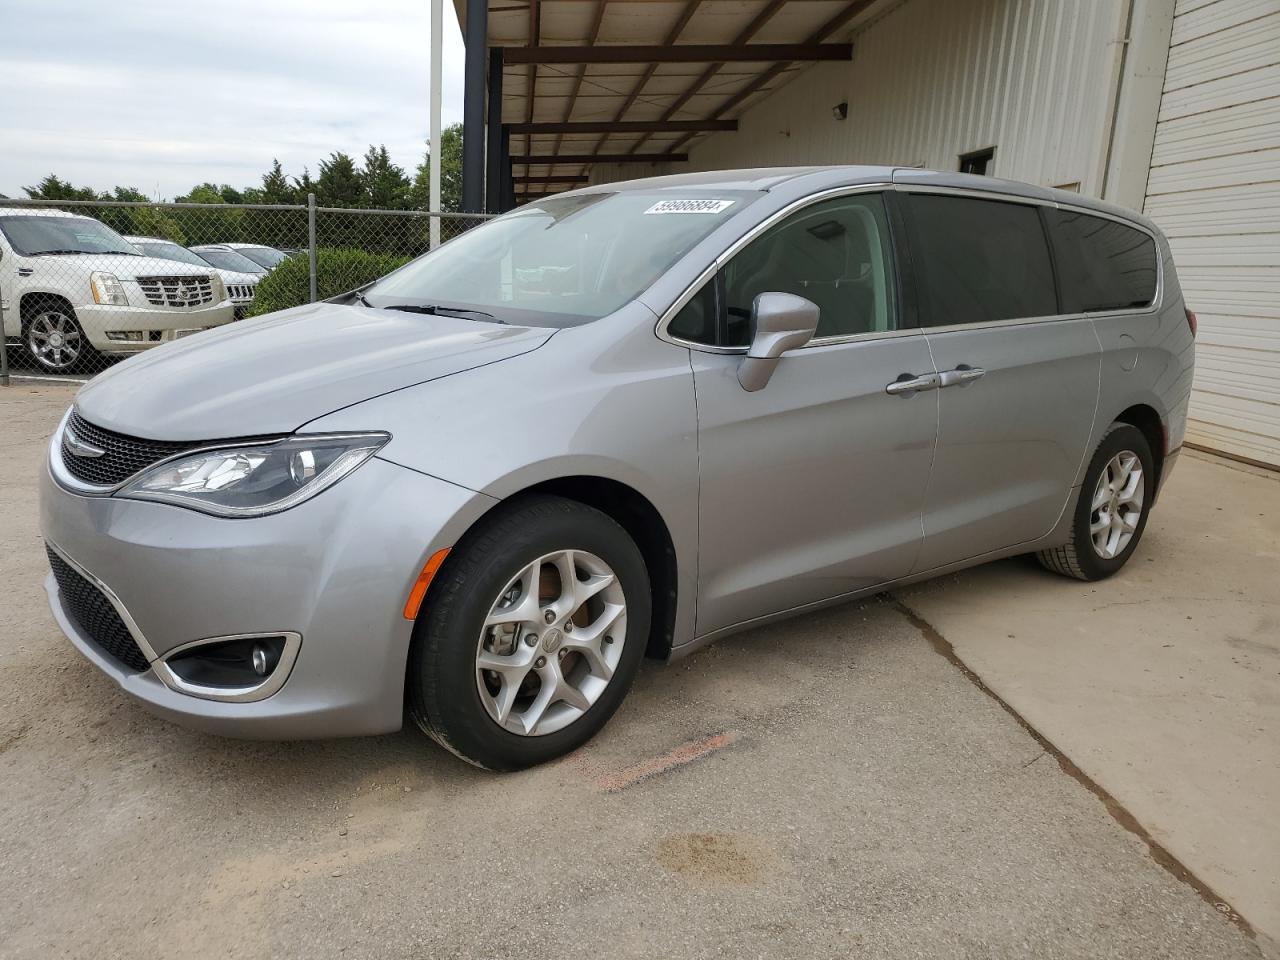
point(337, 271)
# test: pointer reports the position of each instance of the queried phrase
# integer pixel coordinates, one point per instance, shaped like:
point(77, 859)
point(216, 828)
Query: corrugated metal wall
point(1215, 190)
point(932, 80)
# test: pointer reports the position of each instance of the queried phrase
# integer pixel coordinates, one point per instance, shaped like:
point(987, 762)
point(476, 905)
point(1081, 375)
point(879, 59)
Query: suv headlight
point(219, 288)
point(256, 479)
point(107, 289)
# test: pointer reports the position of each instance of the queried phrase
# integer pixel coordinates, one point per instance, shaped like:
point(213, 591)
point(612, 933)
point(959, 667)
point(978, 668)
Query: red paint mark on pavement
point(686, 753)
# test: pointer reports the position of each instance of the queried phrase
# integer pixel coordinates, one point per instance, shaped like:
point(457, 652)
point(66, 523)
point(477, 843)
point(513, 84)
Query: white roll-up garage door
point(1215, 190)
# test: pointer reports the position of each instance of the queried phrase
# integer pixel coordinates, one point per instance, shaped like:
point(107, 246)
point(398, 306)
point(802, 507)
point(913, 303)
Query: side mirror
point(779, 322)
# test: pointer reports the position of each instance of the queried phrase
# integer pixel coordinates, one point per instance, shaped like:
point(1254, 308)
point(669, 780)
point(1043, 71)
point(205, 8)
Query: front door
point(813, 486)
point(1019, 379)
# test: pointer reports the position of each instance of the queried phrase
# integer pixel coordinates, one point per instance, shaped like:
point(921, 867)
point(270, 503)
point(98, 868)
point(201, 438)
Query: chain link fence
point(84, 284)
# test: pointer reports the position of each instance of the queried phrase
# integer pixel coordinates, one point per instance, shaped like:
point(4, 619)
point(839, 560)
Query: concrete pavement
point(1163, 682)
point(827, 787)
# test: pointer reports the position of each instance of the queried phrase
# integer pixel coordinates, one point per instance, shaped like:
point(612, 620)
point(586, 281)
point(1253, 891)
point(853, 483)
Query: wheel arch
point(637, 515)
point(1148, 421)
point(35, 299)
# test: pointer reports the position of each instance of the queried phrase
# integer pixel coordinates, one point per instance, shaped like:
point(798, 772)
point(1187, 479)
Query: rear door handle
point(960, 376)
point(908, 384)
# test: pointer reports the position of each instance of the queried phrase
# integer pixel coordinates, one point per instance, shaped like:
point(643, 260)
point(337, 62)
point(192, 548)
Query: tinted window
point(835, 253)
point(1102, 264)
point(978, 261)
point(696, 320)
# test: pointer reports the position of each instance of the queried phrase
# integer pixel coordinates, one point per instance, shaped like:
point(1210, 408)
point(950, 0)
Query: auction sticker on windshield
point(689, 206)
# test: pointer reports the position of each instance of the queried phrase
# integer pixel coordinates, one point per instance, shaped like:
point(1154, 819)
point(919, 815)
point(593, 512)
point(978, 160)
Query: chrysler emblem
point(78, 447)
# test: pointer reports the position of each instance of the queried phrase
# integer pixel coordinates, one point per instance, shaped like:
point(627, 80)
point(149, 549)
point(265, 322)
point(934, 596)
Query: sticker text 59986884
point(689, 206)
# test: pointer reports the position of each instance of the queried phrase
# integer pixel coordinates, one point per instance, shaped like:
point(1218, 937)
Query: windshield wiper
point(357, 295)
point(436, 310)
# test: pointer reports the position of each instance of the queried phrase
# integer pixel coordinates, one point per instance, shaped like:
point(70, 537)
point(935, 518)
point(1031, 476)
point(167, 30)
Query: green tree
point(340, 182)
point(385, 185)
point(302, 186)
point(54, 187)
point(450, 173)
point(275, 185)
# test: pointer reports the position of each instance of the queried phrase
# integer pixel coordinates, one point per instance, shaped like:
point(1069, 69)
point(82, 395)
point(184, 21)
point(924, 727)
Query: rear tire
point(1110, 513)
point(562, 655)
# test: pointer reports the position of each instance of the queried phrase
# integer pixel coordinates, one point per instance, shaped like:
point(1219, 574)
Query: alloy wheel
point(551, 643)
point(54, 340)
point(1117, 505)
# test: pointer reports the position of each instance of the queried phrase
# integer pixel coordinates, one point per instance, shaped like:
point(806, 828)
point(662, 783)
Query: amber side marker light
point(414, 603)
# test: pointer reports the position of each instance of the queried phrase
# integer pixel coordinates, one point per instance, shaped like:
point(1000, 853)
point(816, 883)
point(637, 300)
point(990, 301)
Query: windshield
point(228, 260)
point(32, 236)
point(263, 256)
point(562, 261)
point(169, 251)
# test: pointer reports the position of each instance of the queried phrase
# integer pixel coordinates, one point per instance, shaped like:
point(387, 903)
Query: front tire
point(1111, 510)
point(54, 338)
point(531, 635)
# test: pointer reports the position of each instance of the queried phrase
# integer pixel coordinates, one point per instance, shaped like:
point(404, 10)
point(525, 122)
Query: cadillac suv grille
point(93, 613)
point(122, 456)
point(177, 291)
point(240, 291)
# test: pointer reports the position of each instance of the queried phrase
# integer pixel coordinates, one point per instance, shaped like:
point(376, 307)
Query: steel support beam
point(626, 126)
point(567, 178)
point(493, 134)
point(684, 53)
point(601, 158)
point(473, 106)
point(507, 198)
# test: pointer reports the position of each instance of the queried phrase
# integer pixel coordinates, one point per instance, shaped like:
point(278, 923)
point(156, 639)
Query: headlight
point(219, 288)
point(256, 479)
point(107, 289)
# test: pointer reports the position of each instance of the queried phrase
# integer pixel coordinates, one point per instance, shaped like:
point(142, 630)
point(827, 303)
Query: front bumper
point(336, 569)
point(156, 324)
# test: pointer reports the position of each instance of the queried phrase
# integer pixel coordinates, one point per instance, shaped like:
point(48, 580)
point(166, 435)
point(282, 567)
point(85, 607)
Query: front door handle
point(908, 384)
point(960, 376)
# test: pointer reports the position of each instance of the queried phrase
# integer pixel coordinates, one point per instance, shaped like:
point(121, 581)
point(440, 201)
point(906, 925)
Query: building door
point(1214, 188)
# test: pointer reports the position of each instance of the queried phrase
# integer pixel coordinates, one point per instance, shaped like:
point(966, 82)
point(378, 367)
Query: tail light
point(1192, 322)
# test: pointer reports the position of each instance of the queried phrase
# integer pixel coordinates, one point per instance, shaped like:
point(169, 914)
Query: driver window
point(835, 253)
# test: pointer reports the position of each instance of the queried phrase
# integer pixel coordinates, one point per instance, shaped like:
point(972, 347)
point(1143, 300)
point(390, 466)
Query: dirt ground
point(832, 786)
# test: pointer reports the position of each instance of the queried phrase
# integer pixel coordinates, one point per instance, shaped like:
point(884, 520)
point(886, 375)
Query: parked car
point(240, 285)
point(629, 419)
point(224, 258)
point(73, 289)
point(266, 257)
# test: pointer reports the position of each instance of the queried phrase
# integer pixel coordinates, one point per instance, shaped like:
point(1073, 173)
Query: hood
point(273, 374)
point(123, 266)
point(235, 276)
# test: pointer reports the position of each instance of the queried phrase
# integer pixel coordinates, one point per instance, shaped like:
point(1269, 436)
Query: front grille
point(93, 613)
point(240, 291)
point(122, 457)
point(177, 291)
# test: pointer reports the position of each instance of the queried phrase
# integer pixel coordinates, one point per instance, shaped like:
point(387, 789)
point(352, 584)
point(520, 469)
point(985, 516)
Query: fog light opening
point(231, 664)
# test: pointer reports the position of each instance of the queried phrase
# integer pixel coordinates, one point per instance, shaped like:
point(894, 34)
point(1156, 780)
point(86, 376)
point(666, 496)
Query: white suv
point(240, 284)
point(72, 288)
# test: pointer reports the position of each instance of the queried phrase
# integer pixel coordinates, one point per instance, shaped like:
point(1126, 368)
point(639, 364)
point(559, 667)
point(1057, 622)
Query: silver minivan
point(623, 421)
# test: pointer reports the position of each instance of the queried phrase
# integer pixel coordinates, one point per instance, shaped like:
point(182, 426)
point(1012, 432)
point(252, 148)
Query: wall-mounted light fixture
point(841, 110)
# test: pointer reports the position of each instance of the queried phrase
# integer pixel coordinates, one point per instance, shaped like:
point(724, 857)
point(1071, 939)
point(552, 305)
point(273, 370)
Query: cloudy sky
point(164, 94)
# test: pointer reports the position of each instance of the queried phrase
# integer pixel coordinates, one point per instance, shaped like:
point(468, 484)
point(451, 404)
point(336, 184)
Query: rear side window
point(978, 261)
point(1102, 264)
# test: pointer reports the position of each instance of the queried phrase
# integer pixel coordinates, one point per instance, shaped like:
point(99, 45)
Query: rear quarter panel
point(1147, 358)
